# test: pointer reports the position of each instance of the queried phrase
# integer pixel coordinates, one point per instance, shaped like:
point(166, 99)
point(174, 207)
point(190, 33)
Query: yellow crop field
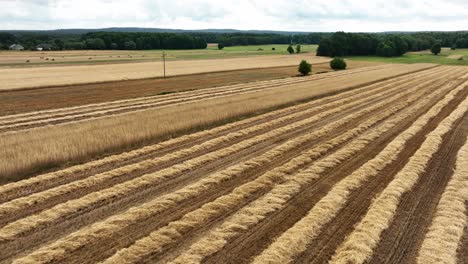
point(367, 165)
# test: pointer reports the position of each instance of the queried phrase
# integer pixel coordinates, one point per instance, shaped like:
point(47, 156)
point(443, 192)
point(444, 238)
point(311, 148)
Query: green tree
point(325, 48)
point(130, 45)
point(436, 48)
point(290, 49)
point(304, 67)
point(386, 49)
point(220, 46)
point(59, 43)
point(338, 64)
point(298, 48)
point(95, 43)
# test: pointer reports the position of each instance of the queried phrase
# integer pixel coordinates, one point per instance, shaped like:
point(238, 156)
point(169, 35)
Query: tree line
point(146, 40)
point(387, 45)
point(330, 44)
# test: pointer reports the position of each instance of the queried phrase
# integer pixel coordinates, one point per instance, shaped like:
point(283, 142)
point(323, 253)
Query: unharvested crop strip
point(444, 236)
point(179, 99)
point(101, 106)
point(159, 239)
point(294, 241)
point(38, 183)
point(134, 215)
point(150, 102)
point(278, 197)
point(358, 247)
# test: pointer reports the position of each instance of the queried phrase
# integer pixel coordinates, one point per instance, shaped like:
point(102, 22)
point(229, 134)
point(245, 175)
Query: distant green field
point(422, 57)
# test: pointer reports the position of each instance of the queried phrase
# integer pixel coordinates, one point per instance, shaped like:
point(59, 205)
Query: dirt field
point(18, 101)
point(375, 172)
point(20, 78)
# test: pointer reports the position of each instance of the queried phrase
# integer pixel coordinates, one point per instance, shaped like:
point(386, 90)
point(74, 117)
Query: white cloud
point(300, 15)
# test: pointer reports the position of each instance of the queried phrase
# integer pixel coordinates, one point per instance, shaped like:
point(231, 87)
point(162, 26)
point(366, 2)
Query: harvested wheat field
point(33, 77)
point(367, 165)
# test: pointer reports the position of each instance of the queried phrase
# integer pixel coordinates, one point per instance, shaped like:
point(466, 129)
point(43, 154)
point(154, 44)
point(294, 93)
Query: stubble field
point(367, 165)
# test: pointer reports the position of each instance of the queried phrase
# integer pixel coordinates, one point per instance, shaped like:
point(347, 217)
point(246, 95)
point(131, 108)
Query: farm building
point(44, 46)
point(16, 47)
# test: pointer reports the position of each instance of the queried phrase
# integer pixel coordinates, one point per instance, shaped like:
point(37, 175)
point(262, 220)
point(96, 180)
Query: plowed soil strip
point(252, 242)
point(333, 234)
point(401, 241)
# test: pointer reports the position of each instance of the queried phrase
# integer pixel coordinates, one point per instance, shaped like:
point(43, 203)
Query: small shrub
point(290, 49)
point(461, 58)
point(27, 61)
point(220, 46)
point(259, 49)
point(298, 49)
point(304, 67)
point(338, 64)
point(273, 48)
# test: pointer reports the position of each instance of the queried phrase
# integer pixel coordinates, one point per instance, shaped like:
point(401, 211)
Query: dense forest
point(149, 40)
point(331, 44)
point(386, 44)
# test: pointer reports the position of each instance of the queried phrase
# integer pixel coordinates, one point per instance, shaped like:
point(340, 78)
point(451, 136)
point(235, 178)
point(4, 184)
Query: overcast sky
point(290, 15)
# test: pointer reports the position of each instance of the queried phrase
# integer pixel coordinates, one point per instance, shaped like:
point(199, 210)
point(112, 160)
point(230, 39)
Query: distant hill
point(73, 31)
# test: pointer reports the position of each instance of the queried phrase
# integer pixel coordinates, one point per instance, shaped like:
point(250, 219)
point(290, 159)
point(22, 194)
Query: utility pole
point(164, 62)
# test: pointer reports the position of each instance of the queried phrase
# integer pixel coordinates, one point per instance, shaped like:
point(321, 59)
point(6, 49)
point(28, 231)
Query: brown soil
point(253, 242)
point(334, 233)
point(402, 240)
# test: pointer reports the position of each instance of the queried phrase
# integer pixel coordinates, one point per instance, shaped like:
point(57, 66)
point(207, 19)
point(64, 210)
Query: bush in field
point(338, 64)
point(304, 67)
point(273, 48)
point(220, 46)
point(290, 49)
point(298, 49)
point(436, 48)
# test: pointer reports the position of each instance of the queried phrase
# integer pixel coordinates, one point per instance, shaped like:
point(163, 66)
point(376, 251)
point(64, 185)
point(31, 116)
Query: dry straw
point(41, 182)
point(294, 241)
point(112, 225)
point(444, 236)
point(360, 244)
point(157, 241)
point(14, 207)
point(278, 197)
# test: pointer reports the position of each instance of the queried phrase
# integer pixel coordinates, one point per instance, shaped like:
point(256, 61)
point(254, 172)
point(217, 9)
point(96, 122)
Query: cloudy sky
point(291, 15)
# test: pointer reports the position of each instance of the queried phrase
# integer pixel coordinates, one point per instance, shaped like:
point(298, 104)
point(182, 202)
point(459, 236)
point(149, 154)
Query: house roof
point(16, 46)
